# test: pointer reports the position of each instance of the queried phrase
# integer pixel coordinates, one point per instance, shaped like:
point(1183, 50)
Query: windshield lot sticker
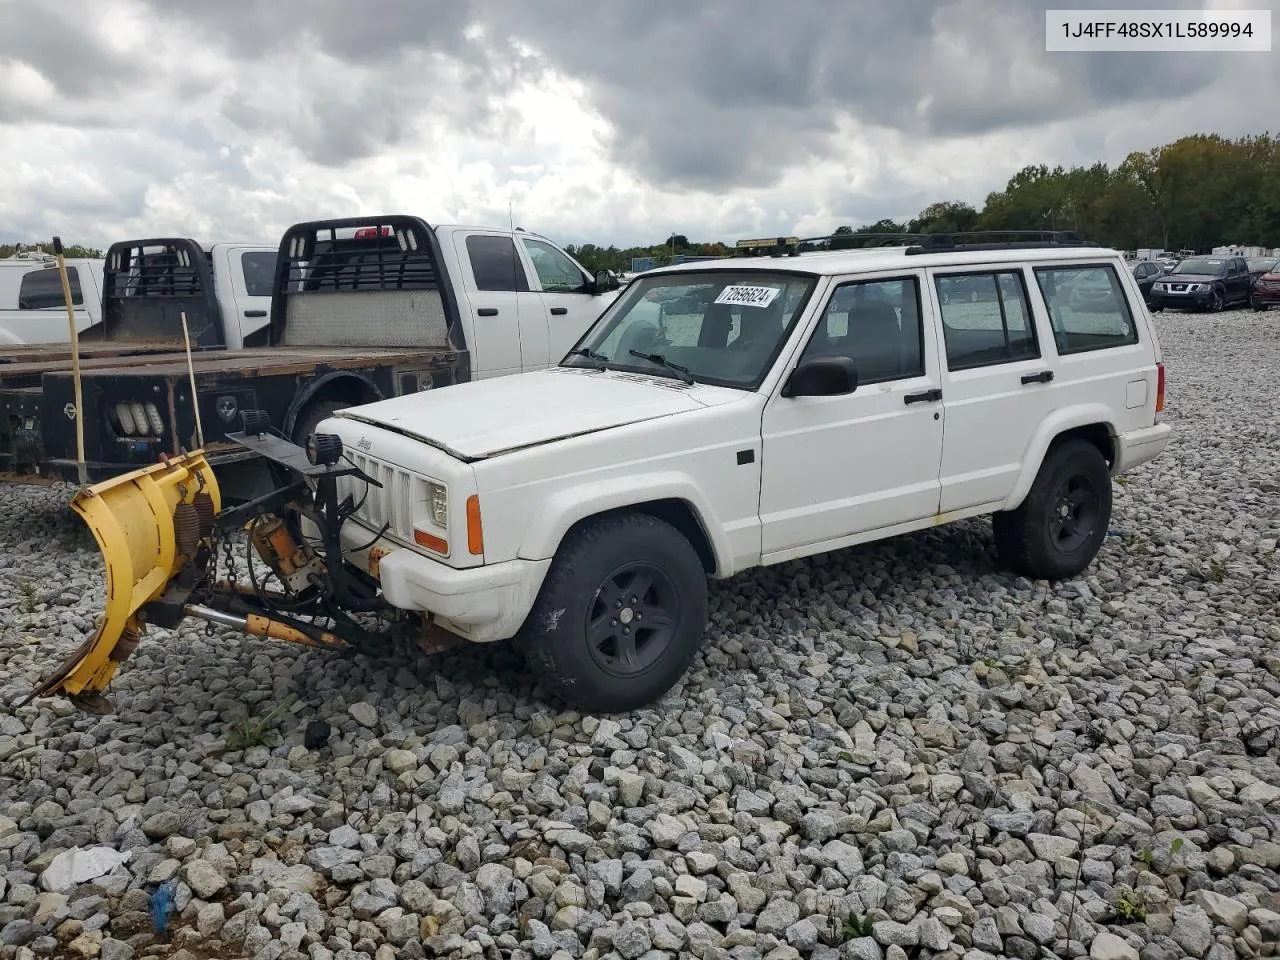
point(748, 296)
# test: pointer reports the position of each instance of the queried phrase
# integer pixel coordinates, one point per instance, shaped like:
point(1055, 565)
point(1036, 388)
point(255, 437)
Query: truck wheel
point(312, 415)
point(620, 615)
point(1060, 526)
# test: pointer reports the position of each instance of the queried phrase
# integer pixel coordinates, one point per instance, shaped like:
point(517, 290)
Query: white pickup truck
point(338, 312)
point(742, 412)
point(32, 305)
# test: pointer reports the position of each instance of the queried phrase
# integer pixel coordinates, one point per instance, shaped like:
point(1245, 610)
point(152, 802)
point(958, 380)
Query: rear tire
point(1257, 307)
point(620, 616)
point(312, 415)
point(1059, 528)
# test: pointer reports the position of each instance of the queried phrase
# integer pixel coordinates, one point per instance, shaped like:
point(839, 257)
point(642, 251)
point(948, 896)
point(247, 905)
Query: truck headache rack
point(385, 270)
point(149, 284)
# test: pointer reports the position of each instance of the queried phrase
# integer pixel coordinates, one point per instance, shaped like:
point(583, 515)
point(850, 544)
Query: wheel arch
point(1090, 422)
point(353, 388)
point(674, 500)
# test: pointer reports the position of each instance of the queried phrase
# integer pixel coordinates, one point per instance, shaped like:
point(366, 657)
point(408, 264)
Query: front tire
point(1059, 528)
point(620, 616)
point(1217, 302)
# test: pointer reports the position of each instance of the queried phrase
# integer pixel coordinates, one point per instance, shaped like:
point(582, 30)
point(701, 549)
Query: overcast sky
point(609, 122)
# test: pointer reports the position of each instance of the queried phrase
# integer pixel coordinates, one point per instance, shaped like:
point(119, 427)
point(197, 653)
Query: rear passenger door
point(838, 466)
point(996, 387)
point(252, 274)
point(509, 327)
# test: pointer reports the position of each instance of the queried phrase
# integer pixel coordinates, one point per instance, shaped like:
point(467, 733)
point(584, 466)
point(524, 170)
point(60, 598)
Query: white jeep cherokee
point(726, 414)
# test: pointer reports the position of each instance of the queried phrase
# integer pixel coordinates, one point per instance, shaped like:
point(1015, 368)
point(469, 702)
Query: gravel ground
point(897, 751)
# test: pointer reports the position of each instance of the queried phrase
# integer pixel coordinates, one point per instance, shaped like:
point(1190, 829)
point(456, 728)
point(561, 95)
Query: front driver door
point(567, 296)
point(836, 467)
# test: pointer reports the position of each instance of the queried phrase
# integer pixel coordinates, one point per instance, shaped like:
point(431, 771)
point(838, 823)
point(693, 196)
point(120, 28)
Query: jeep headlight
point(438, 503)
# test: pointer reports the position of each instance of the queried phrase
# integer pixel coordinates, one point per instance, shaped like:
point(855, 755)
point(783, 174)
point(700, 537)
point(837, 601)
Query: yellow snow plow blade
point(148, 525)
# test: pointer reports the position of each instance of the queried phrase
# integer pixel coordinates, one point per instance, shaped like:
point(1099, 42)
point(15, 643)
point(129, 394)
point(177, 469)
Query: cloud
point(621, 123)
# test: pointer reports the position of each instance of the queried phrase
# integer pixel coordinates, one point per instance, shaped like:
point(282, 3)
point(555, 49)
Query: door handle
point(487, 312)
point(559, 311)
point(255, 313)
point(1044, 376)
point(926, 397)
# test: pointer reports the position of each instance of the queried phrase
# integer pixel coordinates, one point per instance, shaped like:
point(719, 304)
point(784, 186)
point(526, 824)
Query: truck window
point(556, 272)
point(259, 268)
point(42, 289)
point(1087, 308)
point(495, 265)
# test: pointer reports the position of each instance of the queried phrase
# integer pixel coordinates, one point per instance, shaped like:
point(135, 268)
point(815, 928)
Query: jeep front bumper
point(480, 604)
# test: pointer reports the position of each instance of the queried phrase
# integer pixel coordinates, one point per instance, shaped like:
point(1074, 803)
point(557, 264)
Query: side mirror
point(605, 280)
point(822, 377)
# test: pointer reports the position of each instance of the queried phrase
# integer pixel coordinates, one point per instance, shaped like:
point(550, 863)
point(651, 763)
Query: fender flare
point(317, 386)
point(1060, 421)
point(578, 502)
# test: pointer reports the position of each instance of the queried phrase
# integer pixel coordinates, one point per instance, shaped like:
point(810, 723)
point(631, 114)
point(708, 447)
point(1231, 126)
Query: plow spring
point(161, 530)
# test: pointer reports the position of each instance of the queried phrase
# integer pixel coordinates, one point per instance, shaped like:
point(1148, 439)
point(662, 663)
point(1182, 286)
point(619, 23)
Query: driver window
point(556, 272)
point(876, 323)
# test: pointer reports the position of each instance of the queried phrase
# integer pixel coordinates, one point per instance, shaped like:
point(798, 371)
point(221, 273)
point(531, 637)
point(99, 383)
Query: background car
point(1146, 273)
point(1260, 265)
point(1203, 283)
point(1266, 288)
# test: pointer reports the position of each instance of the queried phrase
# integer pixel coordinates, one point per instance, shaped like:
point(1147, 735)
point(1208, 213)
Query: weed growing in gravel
point(1131, 906)
point(1217, 570)
point(851, 927)
point(253, 731)
point(28, 591)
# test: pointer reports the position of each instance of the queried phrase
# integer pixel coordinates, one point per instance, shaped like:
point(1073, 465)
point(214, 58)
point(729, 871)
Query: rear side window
point(259, 273)
point(495, 265)
point(985, 319)
point(42, 289)
point(1087, 308)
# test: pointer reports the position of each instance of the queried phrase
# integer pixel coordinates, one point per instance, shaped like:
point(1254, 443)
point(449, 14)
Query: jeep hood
point(484, 418)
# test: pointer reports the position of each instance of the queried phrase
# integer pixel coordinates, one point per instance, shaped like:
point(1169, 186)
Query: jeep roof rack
point(915, 243)
point(969, 240)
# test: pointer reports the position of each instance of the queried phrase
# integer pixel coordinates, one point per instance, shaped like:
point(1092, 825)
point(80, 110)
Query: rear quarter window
point(1088, 308)
point(42, 289)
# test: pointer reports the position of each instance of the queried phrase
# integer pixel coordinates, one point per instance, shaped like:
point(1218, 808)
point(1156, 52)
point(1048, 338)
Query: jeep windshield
point(722, 327)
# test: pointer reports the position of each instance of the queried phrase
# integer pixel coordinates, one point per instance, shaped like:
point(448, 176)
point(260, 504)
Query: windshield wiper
point(589, 354)
point(682, 372)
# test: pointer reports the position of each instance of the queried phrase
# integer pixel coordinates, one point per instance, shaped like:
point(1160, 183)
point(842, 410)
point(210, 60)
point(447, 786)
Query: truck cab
point(224, 288)
point(32, 305)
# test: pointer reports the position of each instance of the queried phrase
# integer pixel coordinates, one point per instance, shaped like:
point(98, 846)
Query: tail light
point(370, 233)
point(1159, 387)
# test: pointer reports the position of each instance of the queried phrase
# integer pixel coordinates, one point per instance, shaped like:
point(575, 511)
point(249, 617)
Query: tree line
point(70, 251)
point(1195, 193)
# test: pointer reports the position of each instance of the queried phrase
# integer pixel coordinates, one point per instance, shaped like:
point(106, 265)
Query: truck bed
point(261, 361)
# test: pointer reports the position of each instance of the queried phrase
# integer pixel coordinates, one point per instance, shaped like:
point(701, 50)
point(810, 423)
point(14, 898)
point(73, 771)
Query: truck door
point(247, 299)
point(566, 293)
point(508, 323)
